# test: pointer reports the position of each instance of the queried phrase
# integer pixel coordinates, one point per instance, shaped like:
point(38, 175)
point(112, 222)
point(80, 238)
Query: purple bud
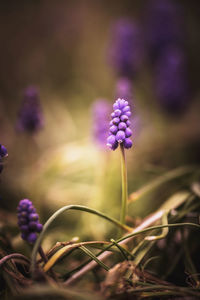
point(115, 106)
point(120, 136)
point(116, 121)
point(117, 113)
point(128, 123)
point(122, 126)
point(39, 227)
point(31, 209)
point(113, 129)
point(114, 146)
point(128, 132)
point(128, 143)
point(121, 103)
point(124, 118)
point(126, 108)
point(128, 113)
point(32, 237)
point(33, 217)
point(111, 141)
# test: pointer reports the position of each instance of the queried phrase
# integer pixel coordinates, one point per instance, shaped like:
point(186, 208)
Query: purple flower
point(100, 113)
point(28, 221)
point(124, 89)
point(30, 117)
point(3, 154)
point(3, 151)
point(171, 80)
point(125, 49)
point(163, 26)
point(120, 131)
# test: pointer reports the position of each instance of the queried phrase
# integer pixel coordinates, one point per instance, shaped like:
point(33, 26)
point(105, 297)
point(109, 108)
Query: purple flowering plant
point(28, 221)
point(171, 80)
point(125, 48)
point(120, 131)
point(120, 134)
point(3, 154)
point(30, 117)
point(100, 113)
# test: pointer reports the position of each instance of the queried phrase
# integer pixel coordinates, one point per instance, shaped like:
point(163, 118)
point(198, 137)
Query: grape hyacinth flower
point(100, 113)
point(163, 26)
point(120, 131)
point(171, 80)
point(30, 117)
point(28, 221)
point(120, 134)
point(125, 49)
point(3, 154)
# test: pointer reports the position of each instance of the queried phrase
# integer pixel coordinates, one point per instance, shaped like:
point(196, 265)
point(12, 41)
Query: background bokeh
point(62, 48)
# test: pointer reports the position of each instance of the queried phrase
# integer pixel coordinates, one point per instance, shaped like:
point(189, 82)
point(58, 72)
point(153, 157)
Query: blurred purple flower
point(30, 118)
point(3, 151)
point(28, 221)
point(3, 154)
point(100, 112)
point(125, 48)
point(171, 80)
point(164, 25)
point(124, 89)
point(120, 131)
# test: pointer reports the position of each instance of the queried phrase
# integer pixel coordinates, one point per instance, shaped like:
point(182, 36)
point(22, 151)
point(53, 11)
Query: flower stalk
point(124, 185)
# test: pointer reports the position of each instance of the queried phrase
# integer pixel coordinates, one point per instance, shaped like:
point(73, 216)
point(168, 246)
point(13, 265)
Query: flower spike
point(120, 131)
point(28, 221)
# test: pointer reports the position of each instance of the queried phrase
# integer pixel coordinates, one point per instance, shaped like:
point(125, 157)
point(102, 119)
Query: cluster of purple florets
point(120, 131)
point(28, 221)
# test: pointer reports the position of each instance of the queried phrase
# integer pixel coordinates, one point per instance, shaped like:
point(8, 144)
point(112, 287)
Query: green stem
point(56, 214)
point(124, 185)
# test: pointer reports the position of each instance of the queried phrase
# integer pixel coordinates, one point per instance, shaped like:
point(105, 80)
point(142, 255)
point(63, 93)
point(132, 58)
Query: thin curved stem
point(105, 254)
point(65, 250)
point(12, 256)
point(57, 213)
